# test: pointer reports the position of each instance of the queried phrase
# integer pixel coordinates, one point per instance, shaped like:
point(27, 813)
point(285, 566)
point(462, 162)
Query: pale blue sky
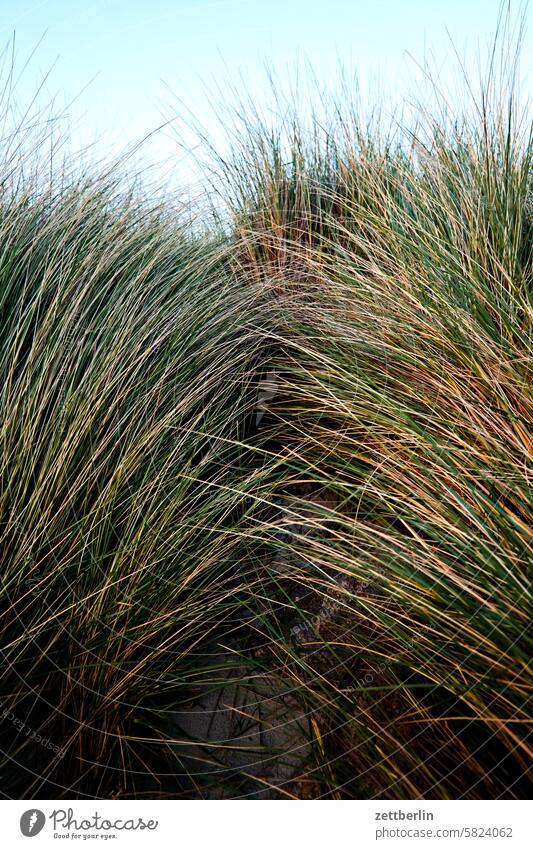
point(132, 49)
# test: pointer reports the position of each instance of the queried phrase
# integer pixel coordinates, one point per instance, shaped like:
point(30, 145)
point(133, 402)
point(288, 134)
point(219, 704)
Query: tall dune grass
point(127, 357)
point(403, 266)
point(365, 541)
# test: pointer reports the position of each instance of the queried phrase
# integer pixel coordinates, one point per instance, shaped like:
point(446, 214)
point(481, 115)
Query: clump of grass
point(403, 266)
point(363, 543)
point(127, 359)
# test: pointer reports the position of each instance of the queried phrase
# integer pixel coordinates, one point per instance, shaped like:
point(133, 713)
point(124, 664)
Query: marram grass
point(379, 287)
